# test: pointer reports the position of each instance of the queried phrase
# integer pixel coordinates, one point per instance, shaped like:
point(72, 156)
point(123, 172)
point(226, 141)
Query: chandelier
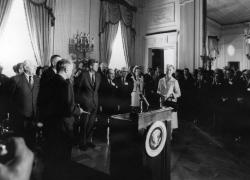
point(81, 45)
point(247, 33)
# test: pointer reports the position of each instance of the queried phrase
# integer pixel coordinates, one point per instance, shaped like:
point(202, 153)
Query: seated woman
point(169, 90)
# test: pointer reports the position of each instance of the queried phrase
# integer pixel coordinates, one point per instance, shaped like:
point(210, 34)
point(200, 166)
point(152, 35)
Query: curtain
point(107, 39)
point(128, 40)
point(40, 20)
point(5, 6)
point(111, 13)
point(213, 46)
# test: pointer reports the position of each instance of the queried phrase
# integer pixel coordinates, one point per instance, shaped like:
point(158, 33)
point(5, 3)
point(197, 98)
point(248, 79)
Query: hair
point(109, 70)
point(91, 62)
point(62, 64)
point(170, 66)
point(53, 57)
point(38, 70)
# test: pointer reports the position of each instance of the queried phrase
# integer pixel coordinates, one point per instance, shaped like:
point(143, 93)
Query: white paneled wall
point(182, 16)
point(230, 36)
point(72, 16)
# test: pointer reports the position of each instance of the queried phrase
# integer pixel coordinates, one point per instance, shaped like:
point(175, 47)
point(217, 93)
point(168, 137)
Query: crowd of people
point(64, 98)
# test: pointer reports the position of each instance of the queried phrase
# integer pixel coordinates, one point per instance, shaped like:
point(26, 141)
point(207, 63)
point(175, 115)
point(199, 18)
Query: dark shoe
point(83, 147)
point(91, 145)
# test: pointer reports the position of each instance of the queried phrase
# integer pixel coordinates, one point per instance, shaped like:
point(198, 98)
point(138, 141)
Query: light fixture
point(80, 46)
point(247, 39)
point(247, 33)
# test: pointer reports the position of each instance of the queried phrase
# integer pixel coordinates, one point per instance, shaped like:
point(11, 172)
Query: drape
point(107, 39)
point(213, 46)
point(128, 41)
point(5, 6)
point(111, 13)
point(40, 20)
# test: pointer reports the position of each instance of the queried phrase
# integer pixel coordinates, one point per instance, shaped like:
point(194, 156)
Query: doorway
point(158, 59)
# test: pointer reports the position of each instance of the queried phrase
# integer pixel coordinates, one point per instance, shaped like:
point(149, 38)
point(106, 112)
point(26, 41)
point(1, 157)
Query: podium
point(140, 145)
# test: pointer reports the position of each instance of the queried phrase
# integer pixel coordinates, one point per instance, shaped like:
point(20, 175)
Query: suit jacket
point(45, 94)
point(23, 95)
point(87, 94)
point(111, 97)
point(62, 107)
point(47, 76)
point(4, 80)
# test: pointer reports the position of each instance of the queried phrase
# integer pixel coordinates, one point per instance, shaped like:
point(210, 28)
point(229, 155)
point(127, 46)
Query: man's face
point(111, 74)
point(124, 73)
point(29, 68)
point(186, 72)
point(95, 67)
point(102, 67)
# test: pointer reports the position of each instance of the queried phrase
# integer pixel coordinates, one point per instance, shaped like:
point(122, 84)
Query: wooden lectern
point(138, 148)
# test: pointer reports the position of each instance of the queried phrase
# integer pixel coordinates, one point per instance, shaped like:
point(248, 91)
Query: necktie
point(93, 79)
point(30, 80)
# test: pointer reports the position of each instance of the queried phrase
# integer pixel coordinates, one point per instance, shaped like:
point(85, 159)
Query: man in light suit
point(24, 89)
point(87, 96)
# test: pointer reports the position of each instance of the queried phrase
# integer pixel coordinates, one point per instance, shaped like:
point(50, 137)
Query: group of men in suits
point(51, 100)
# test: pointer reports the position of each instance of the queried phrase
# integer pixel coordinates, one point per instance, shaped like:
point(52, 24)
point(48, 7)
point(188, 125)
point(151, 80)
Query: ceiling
point(227, 12)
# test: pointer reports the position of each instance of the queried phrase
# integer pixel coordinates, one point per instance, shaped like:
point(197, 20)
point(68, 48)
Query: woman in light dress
point(168, 87)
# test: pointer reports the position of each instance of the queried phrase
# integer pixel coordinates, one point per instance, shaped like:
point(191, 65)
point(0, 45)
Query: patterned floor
point(193, 157)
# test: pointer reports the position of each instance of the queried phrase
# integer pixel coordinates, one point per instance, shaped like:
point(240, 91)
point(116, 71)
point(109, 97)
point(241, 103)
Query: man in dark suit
point(3, 94)
point(103, 72)
point(87, 90)
point(62, 109)
point(46, 85)
point(111, 94)
point(125, 87)
point(24, 90)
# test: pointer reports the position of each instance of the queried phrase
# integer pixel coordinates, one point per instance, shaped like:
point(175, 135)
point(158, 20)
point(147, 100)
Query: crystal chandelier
point(81, 45)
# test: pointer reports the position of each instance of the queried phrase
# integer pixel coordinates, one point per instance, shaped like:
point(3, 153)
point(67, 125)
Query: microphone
point(144, 99)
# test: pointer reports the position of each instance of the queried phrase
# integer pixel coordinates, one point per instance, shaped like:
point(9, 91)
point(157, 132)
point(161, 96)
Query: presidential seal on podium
point(156, 139)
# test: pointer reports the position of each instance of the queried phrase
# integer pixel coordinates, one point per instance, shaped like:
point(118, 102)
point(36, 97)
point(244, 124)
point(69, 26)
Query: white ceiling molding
point(182, 2)
point(228, 12)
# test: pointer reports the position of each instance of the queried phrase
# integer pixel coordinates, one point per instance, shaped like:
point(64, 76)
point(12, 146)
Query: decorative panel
point(161, 15)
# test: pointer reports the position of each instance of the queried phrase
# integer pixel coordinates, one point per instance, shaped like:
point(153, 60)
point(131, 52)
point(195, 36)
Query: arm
point(19, 168)
point(141, 84)
point(177, 91)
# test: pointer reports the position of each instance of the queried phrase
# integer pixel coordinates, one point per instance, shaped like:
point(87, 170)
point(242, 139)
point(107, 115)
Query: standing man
point(3, 94)
point(46, 85)
point(62, 107)
point(24, 91)
point(87, 89)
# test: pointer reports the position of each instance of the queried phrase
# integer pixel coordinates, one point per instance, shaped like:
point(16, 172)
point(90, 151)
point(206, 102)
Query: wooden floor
point(193, 157)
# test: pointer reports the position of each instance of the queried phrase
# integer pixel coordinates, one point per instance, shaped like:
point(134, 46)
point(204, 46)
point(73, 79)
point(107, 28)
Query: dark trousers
point(25, 127)
point(87, 125)
point(58, 144)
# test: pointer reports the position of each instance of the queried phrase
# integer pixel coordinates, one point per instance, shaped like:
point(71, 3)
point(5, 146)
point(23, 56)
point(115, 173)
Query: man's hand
point(83, 112)
point(19, 168)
